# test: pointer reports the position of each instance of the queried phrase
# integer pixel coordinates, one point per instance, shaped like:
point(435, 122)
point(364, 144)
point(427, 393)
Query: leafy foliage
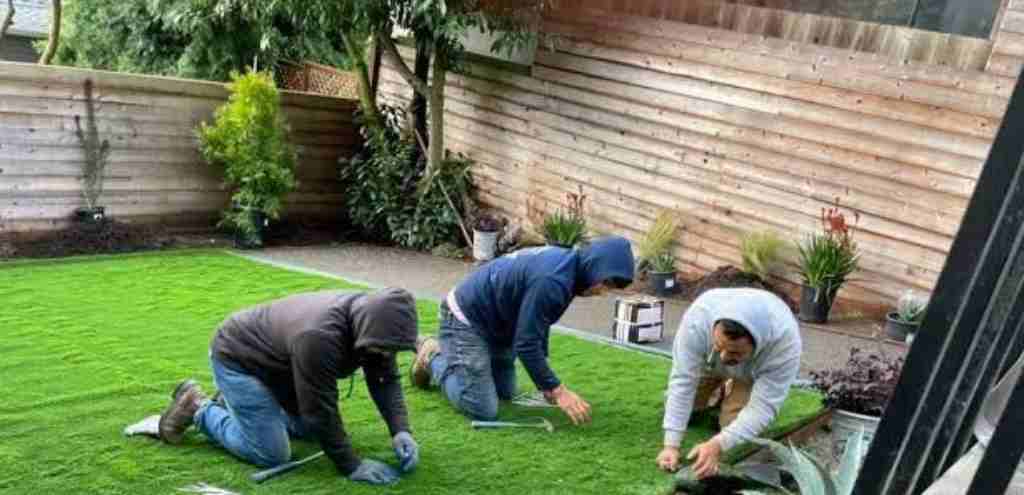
point(863, 386)
point(811, 475)
point(827, 259)
point(249, 140)
point(566, 227)
point(380, 183)
point(910, 307)
point(658, 239)
point(202, 39)
point(762, 253)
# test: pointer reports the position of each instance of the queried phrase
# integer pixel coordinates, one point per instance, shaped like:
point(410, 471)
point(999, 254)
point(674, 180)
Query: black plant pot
point(815, 304)
point(90, 215)
point(253, 240)
point(897, 329)
point(663, 284)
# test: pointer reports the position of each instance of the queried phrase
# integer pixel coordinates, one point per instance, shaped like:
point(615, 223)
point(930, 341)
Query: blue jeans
point(472, 372)
point(254, 427)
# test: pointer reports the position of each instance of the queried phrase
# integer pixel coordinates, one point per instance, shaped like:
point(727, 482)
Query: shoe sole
point(173, 439)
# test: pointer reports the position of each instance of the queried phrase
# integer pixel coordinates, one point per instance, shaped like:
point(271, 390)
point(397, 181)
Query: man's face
point(731, 351)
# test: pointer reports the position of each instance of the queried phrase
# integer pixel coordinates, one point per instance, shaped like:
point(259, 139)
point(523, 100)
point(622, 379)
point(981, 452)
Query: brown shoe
point(185, 401)
point(426, 349)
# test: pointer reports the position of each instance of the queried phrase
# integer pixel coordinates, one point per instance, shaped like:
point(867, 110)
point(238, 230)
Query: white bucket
point(485, 245)
point(845, 423)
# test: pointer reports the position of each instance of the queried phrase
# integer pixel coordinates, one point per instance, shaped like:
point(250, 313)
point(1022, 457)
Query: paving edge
point(580, 334)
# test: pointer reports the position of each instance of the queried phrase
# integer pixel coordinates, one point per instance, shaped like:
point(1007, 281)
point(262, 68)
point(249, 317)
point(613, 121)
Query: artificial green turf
point(89, 346)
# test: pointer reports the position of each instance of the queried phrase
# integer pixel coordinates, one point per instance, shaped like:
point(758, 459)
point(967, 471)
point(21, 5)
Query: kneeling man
point(744, 343)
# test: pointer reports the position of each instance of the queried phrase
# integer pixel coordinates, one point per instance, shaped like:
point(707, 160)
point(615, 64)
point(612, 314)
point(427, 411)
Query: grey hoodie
point(773, 367)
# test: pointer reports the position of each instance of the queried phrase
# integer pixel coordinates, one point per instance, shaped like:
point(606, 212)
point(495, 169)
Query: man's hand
point(571, 404)
point(407, 451)
point(668, 459)
point(707, 455)
point(374, 473)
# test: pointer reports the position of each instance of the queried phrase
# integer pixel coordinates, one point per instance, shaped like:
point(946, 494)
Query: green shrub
point(658, 239)
point(248, 139)
point(762, 253)
point(566, 227)
point(381, 195)
point(910, 307)
point(663, 263)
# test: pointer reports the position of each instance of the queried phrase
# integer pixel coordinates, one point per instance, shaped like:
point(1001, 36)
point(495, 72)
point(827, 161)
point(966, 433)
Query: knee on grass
point(271, 457)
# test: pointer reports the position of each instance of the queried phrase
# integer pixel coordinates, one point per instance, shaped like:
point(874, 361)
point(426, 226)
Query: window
point(962, 17)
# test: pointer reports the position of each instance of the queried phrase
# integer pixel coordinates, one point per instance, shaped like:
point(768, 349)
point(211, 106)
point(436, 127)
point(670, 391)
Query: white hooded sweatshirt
point(773, 367)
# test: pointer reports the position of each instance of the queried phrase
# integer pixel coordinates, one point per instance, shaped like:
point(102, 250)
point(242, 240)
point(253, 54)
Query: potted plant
point(97, 155)
point(657, 240)
point(566, 228)
point(858, 393)
point(903, 323)
point(248, 139)
point(761, 253)
point(662, 274)
point(826, 261)
point(486, 228)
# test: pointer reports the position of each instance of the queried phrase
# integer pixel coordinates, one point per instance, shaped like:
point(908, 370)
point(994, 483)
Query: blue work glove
point(407, 451)
point(374, 473)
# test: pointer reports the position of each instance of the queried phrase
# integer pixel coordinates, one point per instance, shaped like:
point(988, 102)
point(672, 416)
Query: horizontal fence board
point(823, 56)
point(706, 141)
point(1006, 65)
point(155, 169)
point(1008, 43)
point(703, 197)
point(859, 91)
point(810, 101)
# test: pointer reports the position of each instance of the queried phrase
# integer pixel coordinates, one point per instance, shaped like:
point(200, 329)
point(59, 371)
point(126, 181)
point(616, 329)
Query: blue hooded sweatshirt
point(516, 298)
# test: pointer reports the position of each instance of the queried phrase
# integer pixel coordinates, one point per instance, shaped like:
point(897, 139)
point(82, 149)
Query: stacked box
point(639, 320)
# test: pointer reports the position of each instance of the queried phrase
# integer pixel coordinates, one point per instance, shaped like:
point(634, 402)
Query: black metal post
point(952, 357)
point(1004, 451)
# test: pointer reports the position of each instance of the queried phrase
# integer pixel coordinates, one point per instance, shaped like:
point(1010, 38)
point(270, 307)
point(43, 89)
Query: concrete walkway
point(432, 277)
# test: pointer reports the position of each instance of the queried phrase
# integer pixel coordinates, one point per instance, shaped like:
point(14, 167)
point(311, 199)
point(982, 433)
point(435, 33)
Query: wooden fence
point(737, 132)
point(155, 171)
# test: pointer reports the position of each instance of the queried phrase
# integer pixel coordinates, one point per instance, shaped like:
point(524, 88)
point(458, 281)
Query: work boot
point(426, 349)
point(185, 401)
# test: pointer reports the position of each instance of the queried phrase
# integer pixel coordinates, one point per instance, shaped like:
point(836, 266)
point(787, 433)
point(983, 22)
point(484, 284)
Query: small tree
point(97, 153)
point(249, 140)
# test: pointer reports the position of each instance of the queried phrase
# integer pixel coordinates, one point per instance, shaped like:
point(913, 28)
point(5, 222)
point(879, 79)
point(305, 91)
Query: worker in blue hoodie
point(503, 311)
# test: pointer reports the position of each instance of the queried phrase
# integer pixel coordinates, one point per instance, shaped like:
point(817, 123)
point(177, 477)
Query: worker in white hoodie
point(743, 343)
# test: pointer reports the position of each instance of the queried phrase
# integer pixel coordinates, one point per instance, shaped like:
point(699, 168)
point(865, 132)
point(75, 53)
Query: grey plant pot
point(898, 330)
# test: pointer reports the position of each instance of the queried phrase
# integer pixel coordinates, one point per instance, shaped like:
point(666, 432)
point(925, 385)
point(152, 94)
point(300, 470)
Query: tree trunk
point(367, 100)
point(437, 85)
point(418, 103)
point(51, 45)
point(8, 20)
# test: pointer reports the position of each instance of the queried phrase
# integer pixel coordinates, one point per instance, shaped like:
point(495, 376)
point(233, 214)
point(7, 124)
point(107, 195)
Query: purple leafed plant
point(863, 386)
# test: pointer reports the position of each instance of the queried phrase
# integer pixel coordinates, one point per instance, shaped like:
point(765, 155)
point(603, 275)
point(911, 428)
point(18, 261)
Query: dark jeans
point(472, 372)
point(254, 427)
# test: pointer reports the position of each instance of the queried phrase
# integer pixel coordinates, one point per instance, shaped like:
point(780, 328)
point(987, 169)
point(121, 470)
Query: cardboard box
point(639, 320)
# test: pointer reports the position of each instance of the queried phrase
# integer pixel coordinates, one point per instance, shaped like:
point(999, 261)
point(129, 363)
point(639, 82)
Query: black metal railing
point(972, 332)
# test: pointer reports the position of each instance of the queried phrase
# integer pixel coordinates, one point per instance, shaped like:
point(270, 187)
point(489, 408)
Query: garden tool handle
point(266, 474)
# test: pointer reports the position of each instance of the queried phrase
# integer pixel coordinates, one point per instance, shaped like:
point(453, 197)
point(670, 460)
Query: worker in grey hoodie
point(743, 344)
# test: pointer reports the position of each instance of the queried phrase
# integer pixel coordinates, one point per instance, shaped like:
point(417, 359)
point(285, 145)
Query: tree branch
point(8, 20)
point(391, 51)
point(51, 46)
